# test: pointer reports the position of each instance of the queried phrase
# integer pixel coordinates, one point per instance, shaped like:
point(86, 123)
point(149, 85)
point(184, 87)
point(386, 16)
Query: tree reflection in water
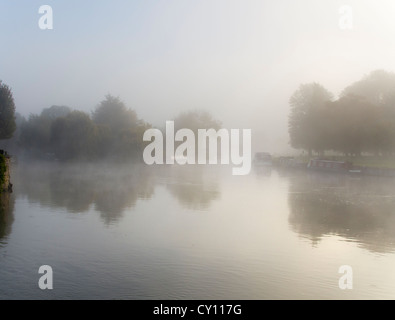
point(110, 189)
point(6, 215)
point(193, 187)
point(360, 209)
point(77, 187)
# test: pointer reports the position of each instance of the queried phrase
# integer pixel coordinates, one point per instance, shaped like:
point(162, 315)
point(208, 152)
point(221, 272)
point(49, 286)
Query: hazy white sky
point(239, 59)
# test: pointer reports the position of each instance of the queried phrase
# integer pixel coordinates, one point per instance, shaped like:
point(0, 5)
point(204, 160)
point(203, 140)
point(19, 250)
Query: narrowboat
point(329, 165)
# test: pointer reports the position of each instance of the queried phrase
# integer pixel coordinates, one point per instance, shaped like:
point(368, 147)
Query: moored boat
point(329, 165)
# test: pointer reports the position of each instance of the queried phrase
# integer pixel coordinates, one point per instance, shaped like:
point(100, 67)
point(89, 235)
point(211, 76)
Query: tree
point(73, 136)
point(12, 145)
point(195, 120)
point(119, 129)
point(355, 126)
point(113, 113)
point(7, 112)
point(35, 133)
point(55, 112)
point(378, 88)
point(305, 123)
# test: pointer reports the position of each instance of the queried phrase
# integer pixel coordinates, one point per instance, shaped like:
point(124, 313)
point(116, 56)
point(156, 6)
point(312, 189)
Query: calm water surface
point(195, 233)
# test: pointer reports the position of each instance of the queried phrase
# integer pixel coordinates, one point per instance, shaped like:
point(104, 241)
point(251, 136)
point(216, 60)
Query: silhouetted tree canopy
point(55, 112)
point(195, 120)
point(305, 122)
point(35, 133)
point(113, 113)
point(361, 120)
point(353, 125)
point(62, 133)
point(119, 129)
point(7, 112)
point(73, 136)
point(378, 88)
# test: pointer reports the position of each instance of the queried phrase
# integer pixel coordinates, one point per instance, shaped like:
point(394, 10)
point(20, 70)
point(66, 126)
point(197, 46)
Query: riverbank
point(366, 165)
point(5, 179)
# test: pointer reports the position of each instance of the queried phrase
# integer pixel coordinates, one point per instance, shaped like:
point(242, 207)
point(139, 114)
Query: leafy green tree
point(35, 133)
point(378, 88)
point(305, 123)
point(355, 126)
point(119, 129)
point(55, 112)
point(195, 120)
point(114, 114)
point(73, 136)
point(7, 112)
point(12, 144)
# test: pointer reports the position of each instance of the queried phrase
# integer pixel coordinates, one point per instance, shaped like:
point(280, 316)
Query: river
point(171, 232)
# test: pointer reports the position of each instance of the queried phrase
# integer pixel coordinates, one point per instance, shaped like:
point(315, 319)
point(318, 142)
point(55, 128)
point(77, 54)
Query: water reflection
point(76, 188)
point(262, 171)
point(193, 187)
point(6, 215)
point(111, 190)
point(360, 209)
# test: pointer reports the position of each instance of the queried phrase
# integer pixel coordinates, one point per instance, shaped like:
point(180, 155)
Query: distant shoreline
point(364, 165)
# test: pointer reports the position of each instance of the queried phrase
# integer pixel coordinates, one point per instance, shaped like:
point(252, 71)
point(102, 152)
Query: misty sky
point(241, 59)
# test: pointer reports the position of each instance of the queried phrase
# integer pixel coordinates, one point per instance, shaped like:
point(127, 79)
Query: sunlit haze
point(240, 60)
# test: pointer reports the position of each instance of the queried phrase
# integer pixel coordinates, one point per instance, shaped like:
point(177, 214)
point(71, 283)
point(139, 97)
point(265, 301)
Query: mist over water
point(114, 114)
point(195, 232)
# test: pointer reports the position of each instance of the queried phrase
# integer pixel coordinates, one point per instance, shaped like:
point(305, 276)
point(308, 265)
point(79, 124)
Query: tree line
point(112, 130)
point(361, 120)
point(61, 133)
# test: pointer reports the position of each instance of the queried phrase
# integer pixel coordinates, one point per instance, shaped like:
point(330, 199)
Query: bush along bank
point(5, 183)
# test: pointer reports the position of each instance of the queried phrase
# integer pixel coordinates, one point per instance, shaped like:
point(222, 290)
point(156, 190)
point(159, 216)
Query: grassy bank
point(369, 161)
point(3, 169)
point(386, 162)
